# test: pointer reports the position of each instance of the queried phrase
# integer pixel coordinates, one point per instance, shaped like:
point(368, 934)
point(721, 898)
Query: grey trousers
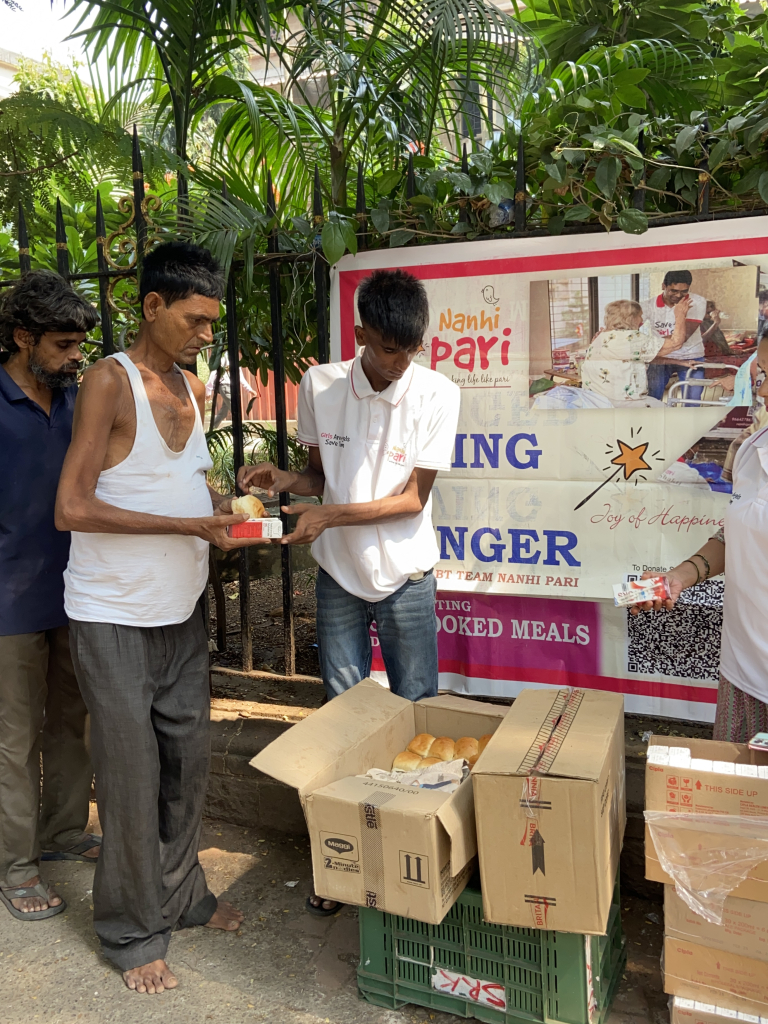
point(148, 697)
point(40, 709)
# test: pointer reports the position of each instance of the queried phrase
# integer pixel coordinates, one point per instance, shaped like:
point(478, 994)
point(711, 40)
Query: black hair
point(762, 296)
point(677, 277)
point(176, 270)
point(395, 304)
point(42, 302)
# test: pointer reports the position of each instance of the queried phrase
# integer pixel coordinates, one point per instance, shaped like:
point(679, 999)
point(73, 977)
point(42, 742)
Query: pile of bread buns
point(425, 750)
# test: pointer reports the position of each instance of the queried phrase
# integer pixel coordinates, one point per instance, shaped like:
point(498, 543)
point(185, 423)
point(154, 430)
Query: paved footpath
point(283, 966)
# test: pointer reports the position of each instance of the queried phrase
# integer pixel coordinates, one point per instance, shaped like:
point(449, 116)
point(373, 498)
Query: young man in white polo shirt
point(659, 313)
point(378, 427)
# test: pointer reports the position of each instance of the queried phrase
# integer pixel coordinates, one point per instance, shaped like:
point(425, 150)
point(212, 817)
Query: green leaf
point(748, 182)
point(461, 228)
point(685, 138)
point(762, 187)
point(556, 224)
point(607, 174)
point(380, 219)
point(574, 156)
point(555, 170)
point(482, 161)
point(580, 212)
point(631, 96)
point(349, 234)
point(400, 237)
point(387, 181)
point(302, 226)
point(718, 153)
point(660, 177)
point(420, 200)
point(634, 222)
point(334, 243)
point(498, 192)
point(630, 77)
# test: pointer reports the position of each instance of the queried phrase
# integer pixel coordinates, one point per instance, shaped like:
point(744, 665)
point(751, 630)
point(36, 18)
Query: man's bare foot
point(227, 917)
point(150, 978)
point(330, 906)
point(31, 904)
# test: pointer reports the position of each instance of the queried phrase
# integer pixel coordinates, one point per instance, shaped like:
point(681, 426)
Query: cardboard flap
point(585, 745)
point(561, 733)
point(457, 816)
point(310, 748)
point(513, 739)
point(437, 715)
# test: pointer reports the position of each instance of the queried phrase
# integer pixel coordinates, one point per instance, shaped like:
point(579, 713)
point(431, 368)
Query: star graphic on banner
point(631, 458)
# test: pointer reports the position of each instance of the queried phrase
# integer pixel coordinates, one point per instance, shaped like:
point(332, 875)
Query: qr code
point(682, 642)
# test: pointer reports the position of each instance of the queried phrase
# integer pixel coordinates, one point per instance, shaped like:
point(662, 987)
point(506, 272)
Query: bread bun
point(250, 506)
point(406, 761)
point(443, 748)
point(467, 747)
point(427, 762)
point(420, 744)
point(482, 743)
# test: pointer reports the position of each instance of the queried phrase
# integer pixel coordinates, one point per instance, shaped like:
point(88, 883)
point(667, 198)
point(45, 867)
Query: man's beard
point(63, 378)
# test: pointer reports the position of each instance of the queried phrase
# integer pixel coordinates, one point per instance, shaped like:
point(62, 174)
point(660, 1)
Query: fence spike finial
point(107, 336)
point(520, 191)
point(317, 200)
point(25, 262)
point(361, 213)
point(62, 254)
point(638, 193)
point(410, 183)
point(464, 159)
point(139, 220)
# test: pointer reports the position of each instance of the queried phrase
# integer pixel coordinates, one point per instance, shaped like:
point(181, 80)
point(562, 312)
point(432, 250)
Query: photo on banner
point(583, 456)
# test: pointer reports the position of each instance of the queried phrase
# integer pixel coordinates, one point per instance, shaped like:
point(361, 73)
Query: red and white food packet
point(269, 529)
point(639, 591)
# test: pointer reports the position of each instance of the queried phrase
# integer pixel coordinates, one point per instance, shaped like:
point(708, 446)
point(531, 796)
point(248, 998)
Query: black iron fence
point(119, 259)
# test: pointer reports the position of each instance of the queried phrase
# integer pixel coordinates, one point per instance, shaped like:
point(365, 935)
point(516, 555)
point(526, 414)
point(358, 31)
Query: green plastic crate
point(518, 974)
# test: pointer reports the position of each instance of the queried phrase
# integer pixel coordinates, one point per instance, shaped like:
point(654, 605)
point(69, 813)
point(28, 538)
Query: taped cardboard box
point(399, 849)
point(693, 1011)
point(744, 929)
point(715, 976)
point(695, 791)
point(550, 811)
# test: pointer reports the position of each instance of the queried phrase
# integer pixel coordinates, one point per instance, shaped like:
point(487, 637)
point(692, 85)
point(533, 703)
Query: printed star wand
point(630, 460)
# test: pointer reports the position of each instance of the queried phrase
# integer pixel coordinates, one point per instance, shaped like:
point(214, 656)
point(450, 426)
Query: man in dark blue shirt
point(43, 323)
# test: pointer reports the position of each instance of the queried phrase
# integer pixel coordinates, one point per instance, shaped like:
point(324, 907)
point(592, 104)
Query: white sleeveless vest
point(144, 579)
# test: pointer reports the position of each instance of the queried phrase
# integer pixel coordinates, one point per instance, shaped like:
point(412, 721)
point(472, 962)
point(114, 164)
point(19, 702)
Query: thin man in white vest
point(133, 492)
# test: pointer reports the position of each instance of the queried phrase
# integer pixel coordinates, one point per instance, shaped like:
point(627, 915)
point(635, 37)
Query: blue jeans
point(659, 375)
point(407, 629)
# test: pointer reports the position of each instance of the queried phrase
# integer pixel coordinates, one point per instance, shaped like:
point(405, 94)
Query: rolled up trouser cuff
point(200, 914)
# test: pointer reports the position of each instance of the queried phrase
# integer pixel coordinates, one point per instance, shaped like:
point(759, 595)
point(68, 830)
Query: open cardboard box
point(403, 850)
point(692, 791)
point(550, 811)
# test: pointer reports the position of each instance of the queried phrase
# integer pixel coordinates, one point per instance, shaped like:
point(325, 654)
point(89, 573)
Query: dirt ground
point(283, 966)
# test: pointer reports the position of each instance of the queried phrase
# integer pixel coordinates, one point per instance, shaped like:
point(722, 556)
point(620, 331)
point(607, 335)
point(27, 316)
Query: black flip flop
point(76, 853)
point(20, 892)
point(321, 911)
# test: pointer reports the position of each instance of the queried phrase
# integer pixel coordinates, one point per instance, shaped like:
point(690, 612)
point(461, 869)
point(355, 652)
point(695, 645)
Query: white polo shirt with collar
point(370, 442)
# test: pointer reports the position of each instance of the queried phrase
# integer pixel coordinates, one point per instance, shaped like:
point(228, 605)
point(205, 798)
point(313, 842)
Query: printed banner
point(598, 429)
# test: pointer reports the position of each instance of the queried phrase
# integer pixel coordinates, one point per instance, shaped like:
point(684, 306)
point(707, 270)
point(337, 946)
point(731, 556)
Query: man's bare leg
point(31, 904)
point(226, 917)
point(150, 978)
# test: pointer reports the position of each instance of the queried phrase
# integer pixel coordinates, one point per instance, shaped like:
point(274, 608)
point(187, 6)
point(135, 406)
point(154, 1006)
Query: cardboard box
point(403, 850)
point(692, 791)
point(693, 1011)
point(744, 929)
point(550, 811)
point(714, 976)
